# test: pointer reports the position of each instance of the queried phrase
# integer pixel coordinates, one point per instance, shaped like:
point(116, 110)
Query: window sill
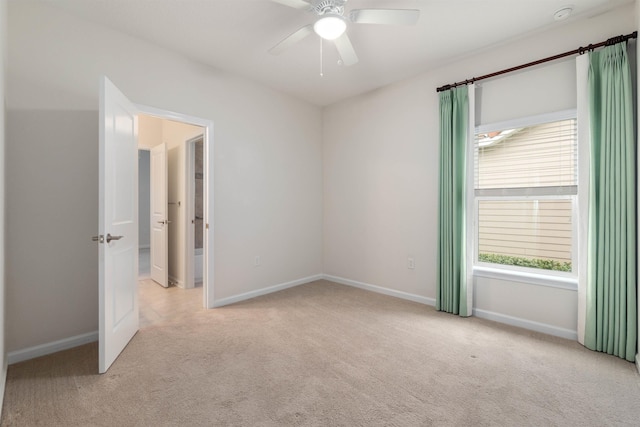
point(553, 281)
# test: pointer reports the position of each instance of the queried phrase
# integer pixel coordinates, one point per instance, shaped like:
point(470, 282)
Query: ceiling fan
point(331, 23)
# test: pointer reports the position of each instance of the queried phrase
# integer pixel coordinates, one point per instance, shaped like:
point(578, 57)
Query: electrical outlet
point(257, 261)
point(411, 263)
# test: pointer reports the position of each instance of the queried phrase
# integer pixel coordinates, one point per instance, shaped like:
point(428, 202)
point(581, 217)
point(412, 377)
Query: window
point(525, 194)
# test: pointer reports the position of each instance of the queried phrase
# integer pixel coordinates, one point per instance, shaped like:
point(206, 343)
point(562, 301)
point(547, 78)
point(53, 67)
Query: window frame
point(559, 279)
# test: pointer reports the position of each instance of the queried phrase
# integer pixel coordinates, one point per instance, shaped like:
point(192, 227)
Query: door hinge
point(207, 226)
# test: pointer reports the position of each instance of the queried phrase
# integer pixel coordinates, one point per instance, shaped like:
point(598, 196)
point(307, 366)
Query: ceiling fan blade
point(292, 39)
point(346, 51)
point(297, 4)
point(385, 16)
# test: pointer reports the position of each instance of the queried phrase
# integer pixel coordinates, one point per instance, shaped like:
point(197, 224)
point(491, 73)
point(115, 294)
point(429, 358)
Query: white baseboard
point(265, 291)
point(52, 347)
point(381, 290)
point(638, 362)
point(526, 324)
point(497, 317)
point(75, 341)
point(67, 343)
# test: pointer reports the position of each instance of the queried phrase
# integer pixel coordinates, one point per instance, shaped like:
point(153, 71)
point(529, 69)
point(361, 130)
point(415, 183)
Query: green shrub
point(545, 264)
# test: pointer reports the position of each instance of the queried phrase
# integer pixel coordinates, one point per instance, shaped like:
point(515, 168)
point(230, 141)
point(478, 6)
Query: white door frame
point(208, 196)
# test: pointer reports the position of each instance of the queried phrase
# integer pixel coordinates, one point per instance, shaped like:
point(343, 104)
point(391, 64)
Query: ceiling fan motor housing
point(330, 6)
point(331, 23)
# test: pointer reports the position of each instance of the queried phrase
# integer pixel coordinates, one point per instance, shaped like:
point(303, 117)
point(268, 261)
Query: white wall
point(3, 42)
point(268, 174)
point(380, 169)
point(51, 199)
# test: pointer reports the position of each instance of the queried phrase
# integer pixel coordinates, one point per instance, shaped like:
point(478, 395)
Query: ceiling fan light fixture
point(330, 26)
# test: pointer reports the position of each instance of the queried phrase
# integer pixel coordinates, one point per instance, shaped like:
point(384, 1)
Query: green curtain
point(611, 310)
point(451, 275)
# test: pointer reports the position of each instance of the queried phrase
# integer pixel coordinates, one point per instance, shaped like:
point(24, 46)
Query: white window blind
point(541, 158)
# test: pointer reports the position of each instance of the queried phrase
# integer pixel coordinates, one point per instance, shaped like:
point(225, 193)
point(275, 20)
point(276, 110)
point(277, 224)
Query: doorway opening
point(188, 199)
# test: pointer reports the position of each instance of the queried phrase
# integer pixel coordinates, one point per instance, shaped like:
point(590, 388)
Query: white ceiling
point(234, 35)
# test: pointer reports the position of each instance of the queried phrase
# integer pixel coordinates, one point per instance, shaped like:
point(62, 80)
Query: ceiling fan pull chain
point(321, 72)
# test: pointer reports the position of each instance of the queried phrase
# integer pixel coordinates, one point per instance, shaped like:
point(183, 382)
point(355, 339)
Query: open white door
point(118, 223)
point(159, 216)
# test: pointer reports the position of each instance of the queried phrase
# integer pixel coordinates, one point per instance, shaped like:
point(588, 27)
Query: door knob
point(110, 238)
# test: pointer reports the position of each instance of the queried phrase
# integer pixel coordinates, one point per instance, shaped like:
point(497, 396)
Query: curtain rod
point(578, 51)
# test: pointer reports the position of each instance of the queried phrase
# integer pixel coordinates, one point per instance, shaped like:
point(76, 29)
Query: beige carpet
point(327, 355)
